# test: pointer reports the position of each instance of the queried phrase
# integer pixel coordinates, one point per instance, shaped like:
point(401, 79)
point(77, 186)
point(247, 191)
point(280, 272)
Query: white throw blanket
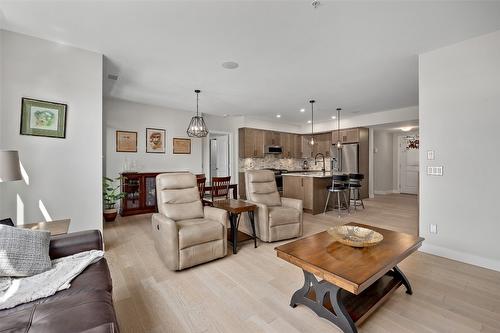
point(15, 291)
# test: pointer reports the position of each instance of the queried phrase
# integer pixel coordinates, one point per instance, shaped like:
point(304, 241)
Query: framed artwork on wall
point(43, 118)
point(126, 141)
point(155, 140)
point(182, 146)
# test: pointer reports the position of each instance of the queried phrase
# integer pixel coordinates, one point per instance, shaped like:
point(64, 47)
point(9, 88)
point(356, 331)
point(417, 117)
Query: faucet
point(316, 162)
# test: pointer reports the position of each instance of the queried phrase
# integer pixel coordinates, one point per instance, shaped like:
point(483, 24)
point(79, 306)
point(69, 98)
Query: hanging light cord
point(197, 96)
point(312, 120)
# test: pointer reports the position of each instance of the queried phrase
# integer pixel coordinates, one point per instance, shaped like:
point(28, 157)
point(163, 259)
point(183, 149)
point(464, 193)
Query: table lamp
point(9, 171)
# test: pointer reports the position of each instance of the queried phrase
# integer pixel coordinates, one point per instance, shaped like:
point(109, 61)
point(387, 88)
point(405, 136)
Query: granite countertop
point(313, 174)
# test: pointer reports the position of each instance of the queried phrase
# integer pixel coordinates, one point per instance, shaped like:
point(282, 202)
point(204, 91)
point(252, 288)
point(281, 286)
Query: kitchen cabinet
point(307, 149)
point(251, 143)
point(297, 145)
point(287, 144)
point(299, 188)
point(312, 190)
point(272, 138)
point(350, 135)
point(323, 144)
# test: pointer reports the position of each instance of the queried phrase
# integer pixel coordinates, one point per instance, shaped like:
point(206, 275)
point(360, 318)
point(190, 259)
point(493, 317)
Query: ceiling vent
point(113, 77)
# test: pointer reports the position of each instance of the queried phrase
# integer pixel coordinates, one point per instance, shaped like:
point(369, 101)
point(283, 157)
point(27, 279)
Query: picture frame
point(43, 118)
point(126, 142)
point(155, 140)
point(181, 146)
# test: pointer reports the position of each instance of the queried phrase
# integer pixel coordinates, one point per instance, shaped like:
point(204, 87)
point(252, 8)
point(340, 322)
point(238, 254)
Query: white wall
point(64, 174)
point(131, 116)
point(459, 119)
point(383, 162)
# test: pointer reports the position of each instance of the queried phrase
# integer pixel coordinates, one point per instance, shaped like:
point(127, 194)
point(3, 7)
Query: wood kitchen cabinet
point(307, 150)
point(251, 142)
point(301, 188)
point(272, 138)
point(297, 145)
point(287, 144)
point(350, 135)
point(323, 144)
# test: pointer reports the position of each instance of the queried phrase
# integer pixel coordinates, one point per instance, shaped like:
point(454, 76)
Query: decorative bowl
point(355, 236)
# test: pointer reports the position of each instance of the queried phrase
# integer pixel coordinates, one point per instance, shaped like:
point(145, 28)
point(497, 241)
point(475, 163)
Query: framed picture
point(43, 118)
point(155, 140)
point(126, 142)
point(182, 146)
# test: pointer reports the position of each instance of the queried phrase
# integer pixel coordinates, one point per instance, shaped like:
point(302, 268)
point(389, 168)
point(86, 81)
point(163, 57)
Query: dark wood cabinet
point(251, 143)
point(141, 193)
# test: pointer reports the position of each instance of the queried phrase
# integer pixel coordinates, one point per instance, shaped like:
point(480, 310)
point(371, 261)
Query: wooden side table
point(58, 227)
point(235, 208)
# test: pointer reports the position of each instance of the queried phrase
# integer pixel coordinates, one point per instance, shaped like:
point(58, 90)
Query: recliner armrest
point(75, 242)
point(292, 203)
point(216, 214)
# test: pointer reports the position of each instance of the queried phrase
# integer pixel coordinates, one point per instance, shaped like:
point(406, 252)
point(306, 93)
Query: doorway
point(408, 164)
point(219, 155)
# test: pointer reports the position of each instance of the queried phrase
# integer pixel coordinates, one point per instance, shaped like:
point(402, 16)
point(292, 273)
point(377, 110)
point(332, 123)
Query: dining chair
point(220, 188)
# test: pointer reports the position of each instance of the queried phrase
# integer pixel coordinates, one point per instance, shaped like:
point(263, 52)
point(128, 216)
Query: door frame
point(229, 154)
point(399, 166)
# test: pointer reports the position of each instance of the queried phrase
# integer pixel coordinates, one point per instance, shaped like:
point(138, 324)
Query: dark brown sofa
point(87, 306)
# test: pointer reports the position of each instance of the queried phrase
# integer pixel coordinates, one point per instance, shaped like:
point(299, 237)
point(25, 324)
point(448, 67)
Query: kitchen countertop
point(313, 174)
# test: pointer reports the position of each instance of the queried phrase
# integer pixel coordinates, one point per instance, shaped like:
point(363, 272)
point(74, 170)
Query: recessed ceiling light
point(308, 121)
point(225, 114)
point(278, 116)
point(333, 117)
point(302, 110)
point(406, 129)
point(230, 65)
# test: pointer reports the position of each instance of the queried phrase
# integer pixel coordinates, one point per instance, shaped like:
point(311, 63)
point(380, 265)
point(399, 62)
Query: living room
point(109, 90)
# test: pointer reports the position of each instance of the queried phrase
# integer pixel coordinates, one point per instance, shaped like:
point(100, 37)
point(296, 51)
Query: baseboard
point(385, 192)
point(461, 256)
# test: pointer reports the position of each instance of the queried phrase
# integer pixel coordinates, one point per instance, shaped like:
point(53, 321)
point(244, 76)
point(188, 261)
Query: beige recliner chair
point(186, 233)
point(276, 218)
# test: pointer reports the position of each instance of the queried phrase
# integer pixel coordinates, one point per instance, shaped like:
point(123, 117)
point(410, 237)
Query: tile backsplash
point(274, 162)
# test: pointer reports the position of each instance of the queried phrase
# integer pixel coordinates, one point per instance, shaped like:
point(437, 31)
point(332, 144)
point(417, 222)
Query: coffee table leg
point(252, 222)
point(404, 280)
point(340, 318)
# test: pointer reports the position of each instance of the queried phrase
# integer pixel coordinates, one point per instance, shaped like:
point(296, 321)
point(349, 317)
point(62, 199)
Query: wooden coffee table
point(356, 280)
point(235, 208)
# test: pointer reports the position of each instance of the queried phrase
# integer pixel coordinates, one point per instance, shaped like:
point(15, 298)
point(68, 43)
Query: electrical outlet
point(430, 155)
point(433, 228)
point(435, 170)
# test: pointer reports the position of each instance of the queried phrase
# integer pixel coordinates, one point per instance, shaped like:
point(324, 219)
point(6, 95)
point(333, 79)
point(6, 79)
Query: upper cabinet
point(350, 135)
point(272, 138)
point(251, 142)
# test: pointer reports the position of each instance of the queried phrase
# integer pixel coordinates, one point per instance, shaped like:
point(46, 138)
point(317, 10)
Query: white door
point(219, 156)
point(408, 168)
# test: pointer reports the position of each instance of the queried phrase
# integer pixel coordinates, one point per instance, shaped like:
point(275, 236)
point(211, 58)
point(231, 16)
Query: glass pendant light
point(197, 127)
point(311, 142)
point(339, 144)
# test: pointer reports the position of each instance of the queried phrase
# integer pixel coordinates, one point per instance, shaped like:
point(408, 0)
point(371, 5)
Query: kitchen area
point(304, 170)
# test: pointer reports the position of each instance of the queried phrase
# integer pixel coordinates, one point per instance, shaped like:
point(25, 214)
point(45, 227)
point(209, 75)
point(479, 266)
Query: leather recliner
point(276, 218)
point(186, 233)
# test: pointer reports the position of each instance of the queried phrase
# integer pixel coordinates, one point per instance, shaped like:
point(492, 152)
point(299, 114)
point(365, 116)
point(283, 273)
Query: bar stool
point(354, 186)
point(339, 185)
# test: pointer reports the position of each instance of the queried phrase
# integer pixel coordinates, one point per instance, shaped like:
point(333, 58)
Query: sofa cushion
point(283, 215)
point(198, 231)
point(24, 252)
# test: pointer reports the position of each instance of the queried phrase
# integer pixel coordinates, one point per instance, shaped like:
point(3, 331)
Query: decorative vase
point(110, 214)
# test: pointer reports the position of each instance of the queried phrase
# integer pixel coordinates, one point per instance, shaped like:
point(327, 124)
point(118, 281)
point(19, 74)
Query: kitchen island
point(310, 187)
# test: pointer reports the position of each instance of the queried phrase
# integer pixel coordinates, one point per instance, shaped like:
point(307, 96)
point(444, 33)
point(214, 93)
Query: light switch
point(430, 154)
point(433, 228)
point(435, 170)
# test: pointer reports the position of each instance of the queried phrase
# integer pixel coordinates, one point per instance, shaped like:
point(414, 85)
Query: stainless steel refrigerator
point(345, 159)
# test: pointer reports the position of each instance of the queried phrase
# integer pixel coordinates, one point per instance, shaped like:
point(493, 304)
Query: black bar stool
point(354, 186)
point(339, 185)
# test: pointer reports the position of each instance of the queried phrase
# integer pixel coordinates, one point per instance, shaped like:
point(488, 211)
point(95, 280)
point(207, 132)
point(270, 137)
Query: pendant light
point(311, 142)
point(339, 143)
point(197, 127)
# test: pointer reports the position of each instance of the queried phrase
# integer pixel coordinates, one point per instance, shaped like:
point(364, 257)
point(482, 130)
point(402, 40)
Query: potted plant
point(111, 194)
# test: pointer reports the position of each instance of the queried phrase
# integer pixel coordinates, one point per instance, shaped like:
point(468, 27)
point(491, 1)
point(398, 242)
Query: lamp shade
point(9, 166)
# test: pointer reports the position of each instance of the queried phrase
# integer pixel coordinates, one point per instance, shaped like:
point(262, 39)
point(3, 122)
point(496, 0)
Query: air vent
point(113, 77)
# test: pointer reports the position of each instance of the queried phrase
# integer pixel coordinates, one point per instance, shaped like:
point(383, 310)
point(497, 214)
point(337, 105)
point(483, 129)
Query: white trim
point(461, 256)
point(385, 192)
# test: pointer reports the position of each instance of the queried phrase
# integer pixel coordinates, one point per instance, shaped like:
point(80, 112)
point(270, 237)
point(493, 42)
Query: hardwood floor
point(250, 291)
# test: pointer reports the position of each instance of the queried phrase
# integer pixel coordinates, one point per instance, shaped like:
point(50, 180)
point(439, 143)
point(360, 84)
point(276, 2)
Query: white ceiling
point(359, 55)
